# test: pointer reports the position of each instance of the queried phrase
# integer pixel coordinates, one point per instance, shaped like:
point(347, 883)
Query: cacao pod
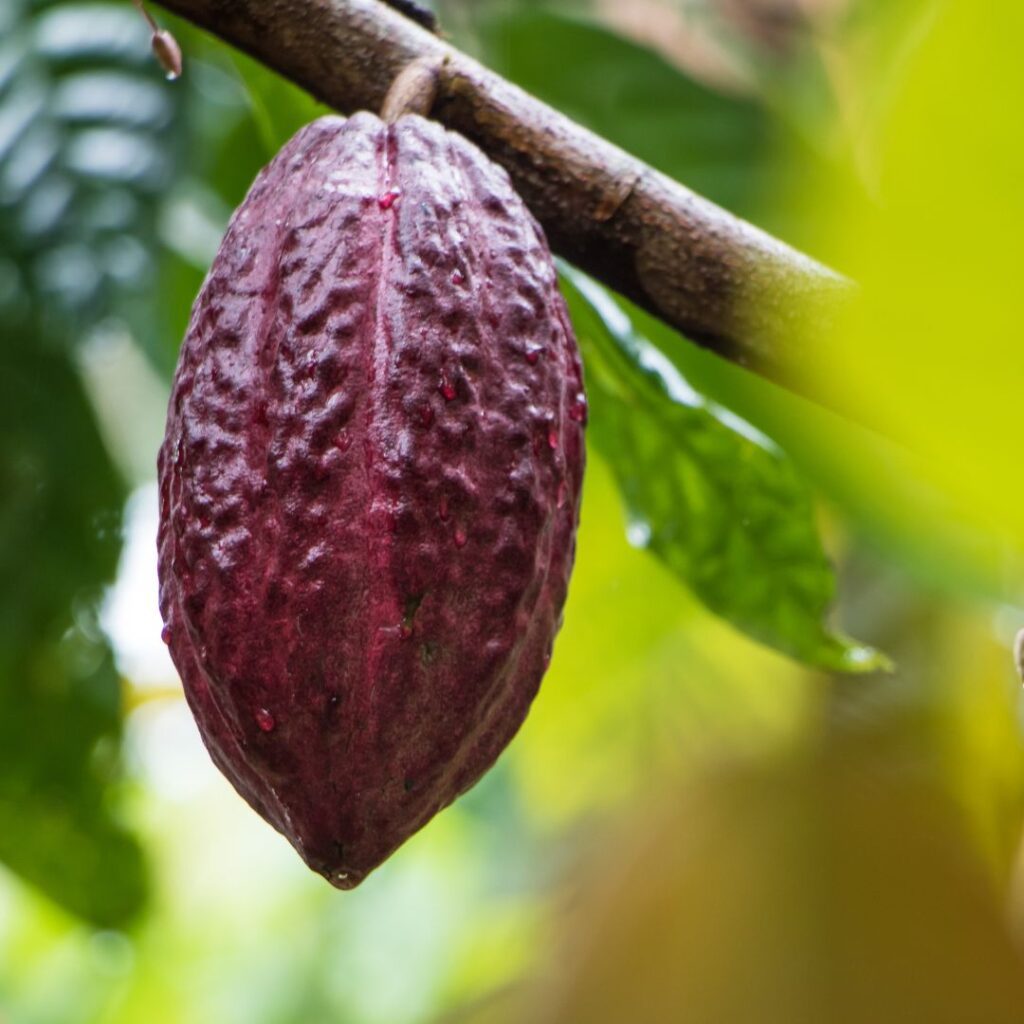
point(369, 484)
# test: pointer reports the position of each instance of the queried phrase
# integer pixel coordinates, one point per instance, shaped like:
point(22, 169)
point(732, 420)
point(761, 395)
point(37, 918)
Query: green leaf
point(60, 515)
point(713, 499)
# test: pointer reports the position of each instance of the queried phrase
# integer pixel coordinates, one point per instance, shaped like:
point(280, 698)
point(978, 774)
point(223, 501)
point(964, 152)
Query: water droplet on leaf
point(638, 533)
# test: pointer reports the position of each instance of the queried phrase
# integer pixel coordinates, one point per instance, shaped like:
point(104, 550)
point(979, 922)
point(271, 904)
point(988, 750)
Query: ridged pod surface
point(369, 484)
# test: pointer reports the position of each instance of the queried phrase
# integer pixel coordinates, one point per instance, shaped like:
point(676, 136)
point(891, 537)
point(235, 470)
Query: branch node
point(414, 89)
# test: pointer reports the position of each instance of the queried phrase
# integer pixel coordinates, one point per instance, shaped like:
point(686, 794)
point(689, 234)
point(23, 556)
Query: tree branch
point(714, 277)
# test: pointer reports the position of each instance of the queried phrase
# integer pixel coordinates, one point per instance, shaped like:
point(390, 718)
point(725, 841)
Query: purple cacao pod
point(369, 484)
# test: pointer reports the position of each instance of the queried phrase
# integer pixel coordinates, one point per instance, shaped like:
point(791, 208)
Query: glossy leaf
point(717, 502)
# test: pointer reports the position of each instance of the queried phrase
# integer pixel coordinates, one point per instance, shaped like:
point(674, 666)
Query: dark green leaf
point(716, 501)
point(60, 516)
point(84, 159)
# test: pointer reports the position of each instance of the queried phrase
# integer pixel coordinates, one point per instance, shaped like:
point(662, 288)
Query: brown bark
point(714, 277)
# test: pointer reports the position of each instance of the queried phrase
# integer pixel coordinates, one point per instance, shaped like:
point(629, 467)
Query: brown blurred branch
point(709, 274)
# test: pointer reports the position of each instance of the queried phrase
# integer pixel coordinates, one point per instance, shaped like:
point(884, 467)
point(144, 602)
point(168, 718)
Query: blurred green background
point(721, 808)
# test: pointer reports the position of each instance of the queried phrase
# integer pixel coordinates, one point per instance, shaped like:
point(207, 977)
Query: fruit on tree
point(369, 484)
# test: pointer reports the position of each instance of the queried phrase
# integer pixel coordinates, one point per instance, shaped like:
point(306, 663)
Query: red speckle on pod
point(458, 277)
point(165, 634)
point(426, 415)
point(386, 201)
point(460, 537)
point(443, 510)
point(552, 440)
point(578, 410)
point(533, 355)
point(447, 388)
point(265, 720)
point(342, 441)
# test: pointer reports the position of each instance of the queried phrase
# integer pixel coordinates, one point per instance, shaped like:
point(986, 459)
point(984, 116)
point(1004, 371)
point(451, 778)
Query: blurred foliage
point(81, 165)
point(84, 156)
point(689, 826)
point(60, 717)
point(936, 253)
point(819, 887)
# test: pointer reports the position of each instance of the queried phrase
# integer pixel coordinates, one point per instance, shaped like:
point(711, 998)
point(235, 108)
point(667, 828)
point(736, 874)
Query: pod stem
point(414, 90)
